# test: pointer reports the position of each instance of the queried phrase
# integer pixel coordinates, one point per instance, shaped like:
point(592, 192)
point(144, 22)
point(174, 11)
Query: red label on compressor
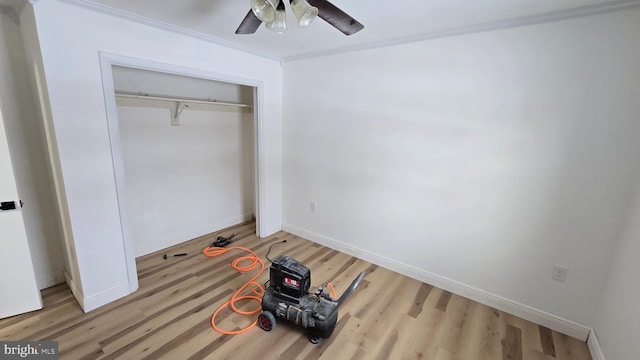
point(292, 282)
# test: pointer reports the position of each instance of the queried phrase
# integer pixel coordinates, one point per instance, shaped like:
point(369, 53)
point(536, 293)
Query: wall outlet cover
point(559, 273)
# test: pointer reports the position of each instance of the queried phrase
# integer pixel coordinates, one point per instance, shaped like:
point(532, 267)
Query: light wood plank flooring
point(390, 316)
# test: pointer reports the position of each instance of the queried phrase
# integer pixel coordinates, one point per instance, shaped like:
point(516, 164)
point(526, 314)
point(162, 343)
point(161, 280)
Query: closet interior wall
point(190, 178)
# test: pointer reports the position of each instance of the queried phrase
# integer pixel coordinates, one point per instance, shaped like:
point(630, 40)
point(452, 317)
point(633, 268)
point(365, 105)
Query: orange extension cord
point(255, 287)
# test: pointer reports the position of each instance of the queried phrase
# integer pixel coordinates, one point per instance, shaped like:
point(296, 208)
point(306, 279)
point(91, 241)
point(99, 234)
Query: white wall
point(75, 111)
point(189, 180)
point(617, 324)
point(31, 168)
point(479, 161)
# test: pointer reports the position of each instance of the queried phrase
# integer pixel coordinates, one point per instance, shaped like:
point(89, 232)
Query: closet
point(188, 152)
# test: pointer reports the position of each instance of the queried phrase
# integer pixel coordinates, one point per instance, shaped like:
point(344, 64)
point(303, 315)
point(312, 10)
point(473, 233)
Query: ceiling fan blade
point(336, 17)
point(249, 24)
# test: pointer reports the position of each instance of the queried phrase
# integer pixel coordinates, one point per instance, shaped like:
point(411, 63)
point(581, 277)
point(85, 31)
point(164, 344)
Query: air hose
point(250, 261)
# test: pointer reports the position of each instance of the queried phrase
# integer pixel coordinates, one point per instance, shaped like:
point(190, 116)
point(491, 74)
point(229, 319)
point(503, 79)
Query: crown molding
point(88, 4)
point(578, 12)
point(548, 17)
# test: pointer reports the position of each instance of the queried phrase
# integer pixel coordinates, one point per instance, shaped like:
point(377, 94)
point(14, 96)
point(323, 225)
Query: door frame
point(107, 61)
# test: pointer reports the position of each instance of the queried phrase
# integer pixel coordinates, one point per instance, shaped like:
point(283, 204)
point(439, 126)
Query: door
point(18, 289)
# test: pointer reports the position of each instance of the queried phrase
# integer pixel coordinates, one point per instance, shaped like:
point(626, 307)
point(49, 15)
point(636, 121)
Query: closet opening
point(186, 154)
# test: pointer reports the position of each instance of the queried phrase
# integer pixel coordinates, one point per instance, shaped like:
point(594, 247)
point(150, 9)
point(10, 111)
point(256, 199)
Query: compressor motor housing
point(289, 278)
point(288, 297)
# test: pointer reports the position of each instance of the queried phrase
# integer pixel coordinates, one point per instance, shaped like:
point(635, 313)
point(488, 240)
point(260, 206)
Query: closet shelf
point(177, 105)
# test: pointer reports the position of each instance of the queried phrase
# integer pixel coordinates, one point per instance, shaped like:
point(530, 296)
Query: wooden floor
point(390, 316)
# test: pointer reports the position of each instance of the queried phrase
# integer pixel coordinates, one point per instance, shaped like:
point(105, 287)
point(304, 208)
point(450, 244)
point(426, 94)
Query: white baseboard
point(594, 347)
point(529, 313)
point(49, 279)
point(175, 239)
point(104, 297)
point(93, 302)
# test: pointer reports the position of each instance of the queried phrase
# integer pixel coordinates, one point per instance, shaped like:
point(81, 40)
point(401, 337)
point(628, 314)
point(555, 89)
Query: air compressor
point(288, 298)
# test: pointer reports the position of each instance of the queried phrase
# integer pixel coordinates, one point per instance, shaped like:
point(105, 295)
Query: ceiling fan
point(272, 12)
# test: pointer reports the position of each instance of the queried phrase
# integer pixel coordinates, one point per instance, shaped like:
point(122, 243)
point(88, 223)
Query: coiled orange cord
point(255, 287)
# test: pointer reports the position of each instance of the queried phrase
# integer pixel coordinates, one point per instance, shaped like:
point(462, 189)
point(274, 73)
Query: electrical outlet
point(312, 206)
point(559, 273)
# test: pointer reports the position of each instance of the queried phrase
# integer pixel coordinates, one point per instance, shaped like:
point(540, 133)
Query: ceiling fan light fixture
point(278, 25)
point(265, 10)
point(304, 12)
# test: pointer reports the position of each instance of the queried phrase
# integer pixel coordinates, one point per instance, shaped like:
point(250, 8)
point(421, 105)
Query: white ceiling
point(385, 23)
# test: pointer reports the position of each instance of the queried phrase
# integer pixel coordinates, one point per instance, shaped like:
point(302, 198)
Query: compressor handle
point(347, 293)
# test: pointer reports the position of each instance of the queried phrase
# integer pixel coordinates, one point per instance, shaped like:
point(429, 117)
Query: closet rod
point(182, 100)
